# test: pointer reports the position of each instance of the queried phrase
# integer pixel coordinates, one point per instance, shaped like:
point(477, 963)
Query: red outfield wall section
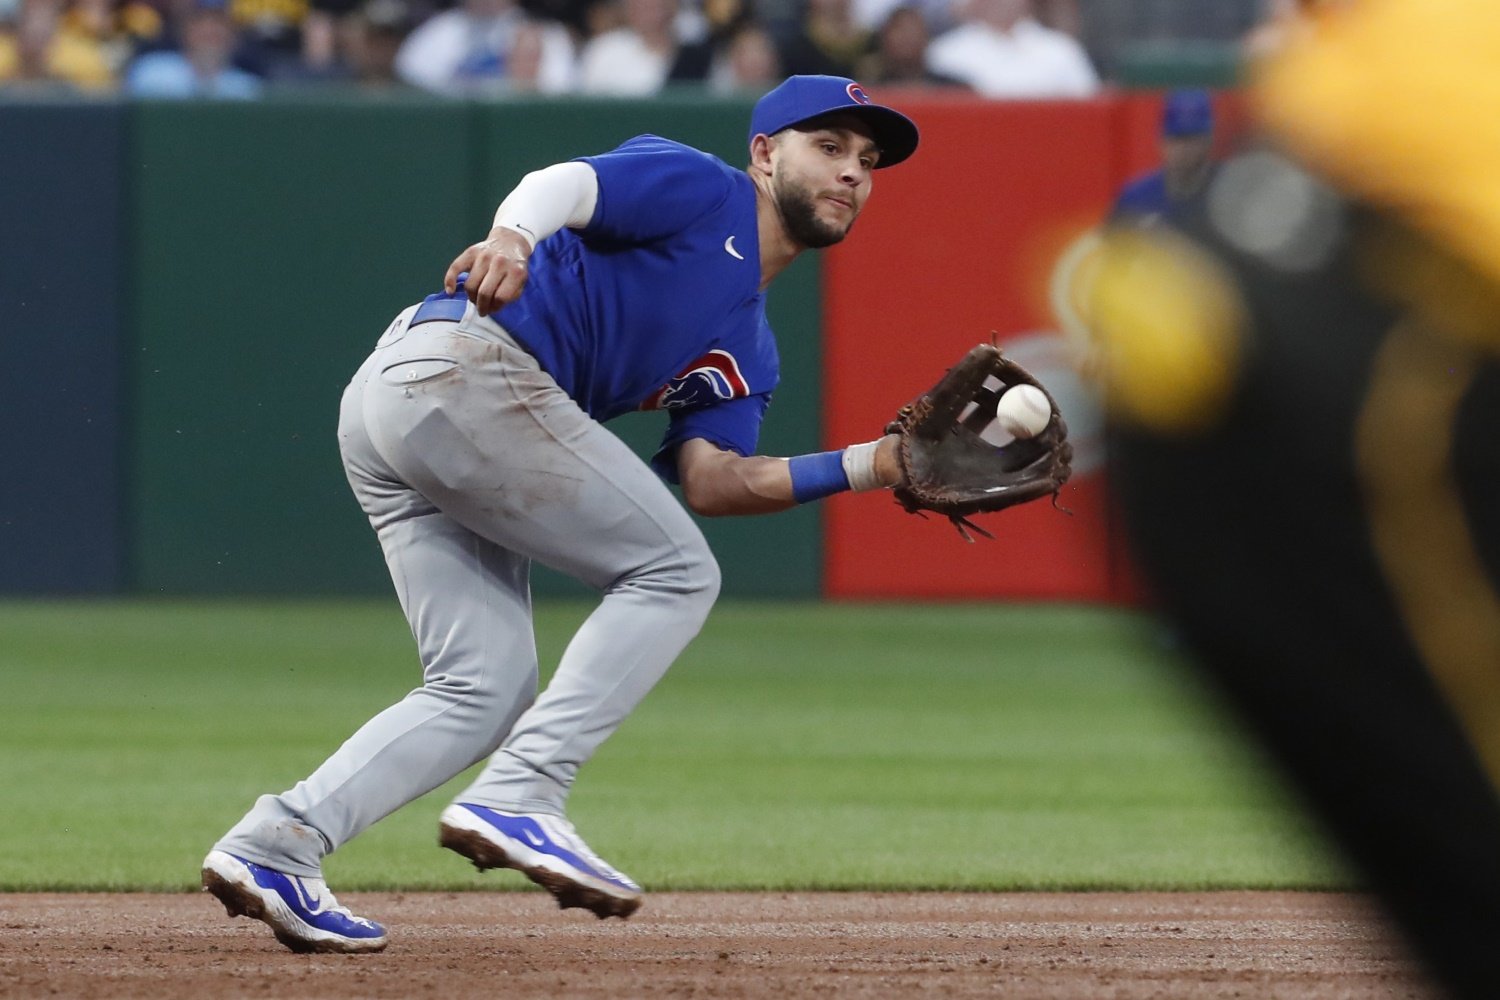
point(956, 243)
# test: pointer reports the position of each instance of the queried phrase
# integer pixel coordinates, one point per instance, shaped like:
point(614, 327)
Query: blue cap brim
point(895, 135)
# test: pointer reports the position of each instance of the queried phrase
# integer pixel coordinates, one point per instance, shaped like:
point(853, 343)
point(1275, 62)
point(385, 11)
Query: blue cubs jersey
point(1145, 198)
point(656, 303)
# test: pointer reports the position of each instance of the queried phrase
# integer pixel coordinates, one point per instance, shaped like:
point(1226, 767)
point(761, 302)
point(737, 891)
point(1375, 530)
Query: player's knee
point(485, 701)
point(683, 573)
point(701, 589)
point(706, 577)
point(692, 575)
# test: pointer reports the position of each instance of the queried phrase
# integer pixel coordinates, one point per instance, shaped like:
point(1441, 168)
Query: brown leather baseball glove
point(948, 468)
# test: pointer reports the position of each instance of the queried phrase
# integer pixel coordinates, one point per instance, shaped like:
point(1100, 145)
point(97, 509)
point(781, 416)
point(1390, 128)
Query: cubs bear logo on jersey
point(712, 378)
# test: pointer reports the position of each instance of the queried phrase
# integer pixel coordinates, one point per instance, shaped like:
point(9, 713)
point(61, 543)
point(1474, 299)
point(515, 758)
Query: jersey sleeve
point(651, 187)
point(1141, 196)
point(733, 425)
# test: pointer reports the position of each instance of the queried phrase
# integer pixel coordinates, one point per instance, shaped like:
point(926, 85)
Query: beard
point(799, 214)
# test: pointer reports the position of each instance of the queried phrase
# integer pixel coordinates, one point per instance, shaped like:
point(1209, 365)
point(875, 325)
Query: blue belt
point(435, 309)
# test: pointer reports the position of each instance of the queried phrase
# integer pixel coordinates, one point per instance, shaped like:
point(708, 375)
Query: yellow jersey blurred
point(1398, 103)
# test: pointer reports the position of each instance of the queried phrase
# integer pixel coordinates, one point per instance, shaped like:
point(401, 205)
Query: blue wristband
point(817, 476)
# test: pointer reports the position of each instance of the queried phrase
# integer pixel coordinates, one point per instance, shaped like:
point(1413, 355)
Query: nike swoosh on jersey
point(729, 249)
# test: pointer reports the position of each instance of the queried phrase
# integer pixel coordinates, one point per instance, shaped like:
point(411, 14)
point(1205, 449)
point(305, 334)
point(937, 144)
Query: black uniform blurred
point(1303, 538)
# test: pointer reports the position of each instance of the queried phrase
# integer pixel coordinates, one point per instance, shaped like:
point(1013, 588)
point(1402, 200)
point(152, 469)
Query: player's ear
point(761, 148)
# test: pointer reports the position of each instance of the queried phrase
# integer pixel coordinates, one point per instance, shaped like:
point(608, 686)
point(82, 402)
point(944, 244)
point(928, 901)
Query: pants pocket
point(418, 371)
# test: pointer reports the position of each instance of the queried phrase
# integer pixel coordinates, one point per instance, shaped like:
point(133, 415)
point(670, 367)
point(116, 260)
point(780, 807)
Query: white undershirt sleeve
point(563, 194)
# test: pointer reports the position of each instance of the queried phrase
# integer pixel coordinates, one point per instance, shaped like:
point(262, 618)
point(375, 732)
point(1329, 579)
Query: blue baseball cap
point(1187, 112)
point(803, 98)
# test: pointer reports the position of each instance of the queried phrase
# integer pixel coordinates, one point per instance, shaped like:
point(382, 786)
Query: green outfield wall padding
point(272, 243)
point(61, 249)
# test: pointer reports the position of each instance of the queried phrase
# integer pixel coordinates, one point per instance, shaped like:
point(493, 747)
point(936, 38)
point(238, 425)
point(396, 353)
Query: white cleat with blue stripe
point(546, 849)
point(302, 911)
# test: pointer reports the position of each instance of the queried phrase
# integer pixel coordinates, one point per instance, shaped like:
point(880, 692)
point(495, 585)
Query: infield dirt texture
point(1131, 946)
point(819, 778)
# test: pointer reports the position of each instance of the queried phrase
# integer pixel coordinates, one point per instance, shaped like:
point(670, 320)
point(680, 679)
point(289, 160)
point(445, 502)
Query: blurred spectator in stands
point(583, 18)
point(827, 40)
point(40, 52)
point(118, 27)
point(526, 52)
point(1284, 21)
point(1166, 39)
point(900, 56)
point(720, 21)
point(747, 62)
point(321, 56)
point(249, 55)
point(202, 67)
point(278, 38)
point(1001, 51)
point(350, 42)
point(468, 50)
point(1187, 146)
point(369, 39)
point(1060, 15)
point(938, 15)
point(644, 54)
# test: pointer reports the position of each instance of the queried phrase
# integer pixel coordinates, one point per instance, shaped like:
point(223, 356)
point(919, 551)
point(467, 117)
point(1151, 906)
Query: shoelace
point(329, 903)
point(583, 849)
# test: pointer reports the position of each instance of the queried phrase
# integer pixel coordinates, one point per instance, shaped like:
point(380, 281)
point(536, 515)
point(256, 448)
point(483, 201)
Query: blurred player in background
point(1187, 146)
point(1304, 375)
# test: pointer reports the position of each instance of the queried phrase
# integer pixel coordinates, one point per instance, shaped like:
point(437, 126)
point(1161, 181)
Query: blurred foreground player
point(1307, 390)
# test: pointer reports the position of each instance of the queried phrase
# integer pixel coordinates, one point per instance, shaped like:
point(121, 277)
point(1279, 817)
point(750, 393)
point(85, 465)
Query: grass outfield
point(793, 746)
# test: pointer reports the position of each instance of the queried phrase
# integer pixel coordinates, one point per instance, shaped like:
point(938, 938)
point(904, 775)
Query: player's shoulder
point(672, 164)
point(667, 160)
point(648, 144)
point(1144, 192)
point(1150, 181)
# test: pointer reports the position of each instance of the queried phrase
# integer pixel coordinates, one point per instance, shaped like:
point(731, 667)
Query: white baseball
point(1023, 411)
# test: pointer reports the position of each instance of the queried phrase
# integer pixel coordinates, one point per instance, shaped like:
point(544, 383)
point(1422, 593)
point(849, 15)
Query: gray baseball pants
point(471, 462)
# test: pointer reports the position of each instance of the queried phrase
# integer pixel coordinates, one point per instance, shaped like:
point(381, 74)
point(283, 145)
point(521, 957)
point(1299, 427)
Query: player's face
point(821, 179)
point(1186, 154)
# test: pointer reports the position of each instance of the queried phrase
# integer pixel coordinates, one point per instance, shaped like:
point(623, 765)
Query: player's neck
point(777, 248)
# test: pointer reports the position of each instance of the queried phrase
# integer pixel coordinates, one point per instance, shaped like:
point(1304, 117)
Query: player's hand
point(497, 270)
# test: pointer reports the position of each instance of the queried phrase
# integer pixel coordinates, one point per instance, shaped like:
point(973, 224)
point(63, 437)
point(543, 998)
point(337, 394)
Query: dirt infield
point(1088, 946)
